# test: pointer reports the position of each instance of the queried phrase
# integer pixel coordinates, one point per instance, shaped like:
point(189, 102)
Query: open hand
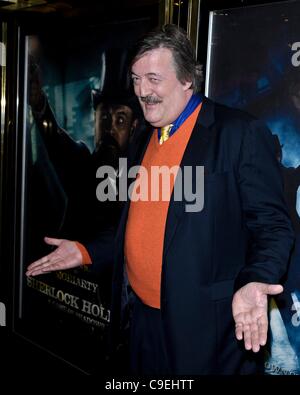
point(66, 256)
point(250, 313)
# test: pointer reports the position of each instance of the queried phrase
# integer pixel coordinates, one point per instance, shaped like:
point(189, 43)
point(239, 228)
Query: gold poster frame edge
point(166, 16)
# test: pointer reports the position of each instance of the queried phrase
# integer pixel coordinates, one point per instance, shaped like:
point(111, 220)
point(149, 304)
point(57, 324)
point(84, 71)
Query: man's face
point(162, 96)
point(117, 120)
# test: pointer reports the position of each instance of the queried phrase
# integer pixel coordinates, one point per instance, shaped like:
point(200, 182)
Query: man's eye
point(154, 80)
point(121, 120)
point(135, 80)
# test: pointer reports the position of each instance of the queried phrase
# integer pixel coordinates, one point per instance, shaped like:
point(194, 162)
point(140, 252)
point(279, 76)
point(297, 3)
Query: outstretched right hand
point(66, 256)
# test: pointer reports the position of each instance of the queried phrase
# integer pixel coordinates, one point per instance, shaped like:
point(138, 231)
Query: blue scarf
point(193, 103)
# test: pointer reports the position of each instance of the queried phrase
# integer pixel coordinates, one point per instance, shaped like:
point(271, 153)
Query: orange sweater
point(147, 219)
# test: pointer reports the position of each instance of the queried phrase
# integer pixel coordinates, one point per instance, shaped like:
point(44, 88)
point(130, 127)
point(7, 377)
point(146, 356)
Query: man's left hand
point(250, 313)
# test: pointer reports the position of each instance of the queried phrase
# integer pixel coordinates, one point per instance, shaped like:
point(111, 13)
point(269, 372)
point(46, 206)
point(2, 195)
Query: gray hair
point(175, 39)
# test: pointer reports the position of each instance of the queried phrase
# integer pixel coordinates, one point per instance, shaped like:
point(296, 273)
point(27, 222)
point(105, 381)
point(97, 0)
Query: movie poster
point(254, 64)
point(74, 80)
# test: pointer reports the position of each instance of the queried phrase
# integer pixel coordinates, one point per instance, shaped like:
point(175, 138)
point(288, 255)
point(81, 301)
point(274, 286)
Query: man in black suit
point(196, 278)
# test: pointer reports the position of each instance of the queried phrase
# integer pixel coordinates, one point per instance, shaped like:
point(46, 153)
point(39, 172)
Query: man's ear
point(187, 85)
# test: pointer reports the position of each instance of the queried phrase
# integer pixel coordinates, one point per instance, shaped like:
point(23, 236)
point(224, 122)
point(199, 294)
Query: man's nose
point(145, 88)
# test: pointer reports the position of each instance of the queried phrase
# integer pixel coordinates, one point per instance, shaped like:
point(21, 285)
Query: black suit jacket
point(242, 234)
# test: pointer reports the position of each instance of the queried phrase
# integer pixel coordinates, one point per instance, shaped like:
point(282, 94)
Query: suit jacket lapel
point(195, 154)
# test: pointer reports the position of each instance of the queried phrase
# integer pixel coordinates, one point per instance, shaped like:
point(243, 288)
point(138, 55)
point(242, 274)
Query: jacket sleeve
point(264, 210)
point(101, 250)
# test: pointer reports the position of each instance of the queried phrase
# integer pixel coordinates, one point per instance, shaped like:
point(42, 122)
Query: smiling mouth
point(150, 100)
